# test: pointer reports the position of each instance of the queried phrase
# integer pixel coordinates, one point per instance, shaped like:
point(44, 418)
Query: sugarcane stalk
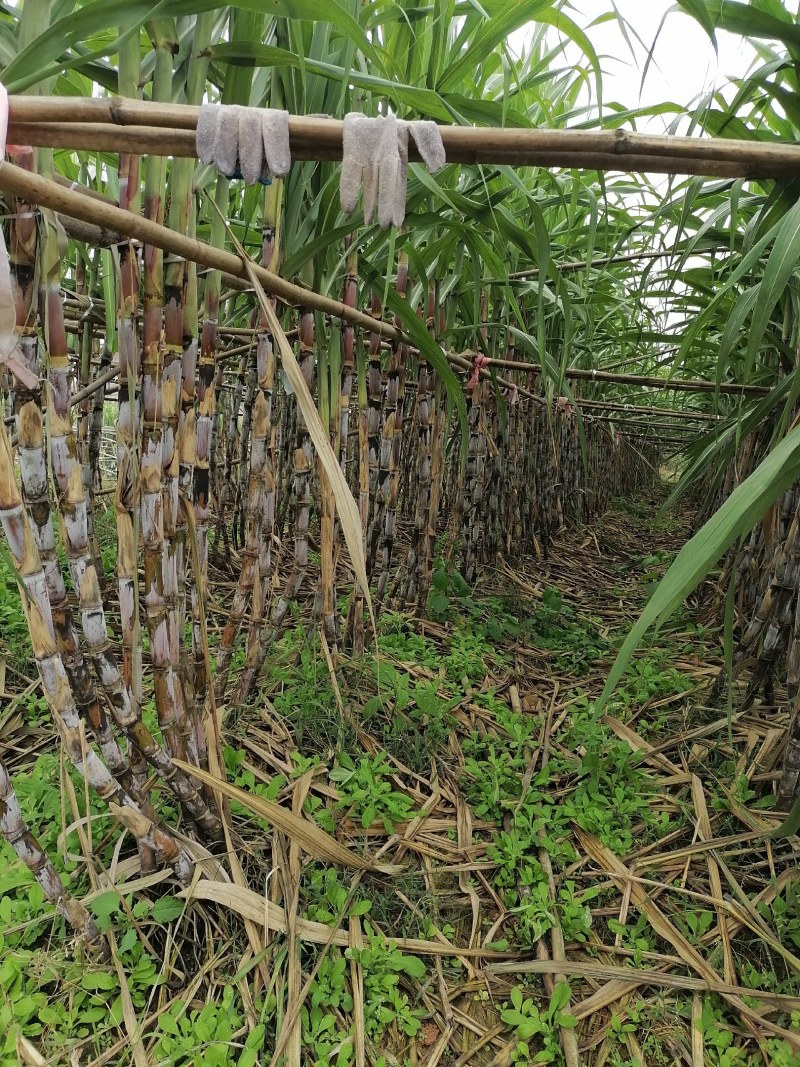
point(29, 850)
point(98, 399)
point(128, 437)
point(159, 461)
point(302, 469)
point(250, 553)
point(393, 438)
point(329, 374)
point(54, 679)
point(439, 419)
point(126, 712)
point(34, 487)
point(266, 369)
point(178, 419)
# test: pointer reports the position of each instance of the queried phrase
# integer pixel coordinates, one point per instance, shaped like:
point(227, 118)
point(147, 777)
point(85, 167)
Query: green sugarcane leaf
point(790, 825)
point(248, 53)
point(744, 19)
point(490, 33)
point(28, 67)
point(699, 10)
point(743, 508)
point(780, 266)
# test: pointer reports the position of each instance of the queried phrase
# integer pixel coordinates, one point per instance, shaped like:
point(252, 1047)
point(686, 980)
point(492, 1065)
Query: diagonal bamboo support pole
point(50, 194)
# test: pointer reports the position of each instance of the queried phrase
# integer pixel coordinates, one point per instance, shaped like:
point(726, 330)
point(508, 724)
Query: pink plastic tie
point(478, 364)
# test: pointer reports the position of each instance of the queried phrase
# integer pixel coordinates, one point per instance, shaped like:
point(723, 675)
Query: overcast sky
point(684, 63)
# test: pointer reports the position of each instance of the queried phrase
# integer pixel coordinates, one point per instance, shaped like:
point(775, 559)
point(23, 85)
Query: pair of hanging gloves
point(375, 153)
point(247, 142)
point(253, 143)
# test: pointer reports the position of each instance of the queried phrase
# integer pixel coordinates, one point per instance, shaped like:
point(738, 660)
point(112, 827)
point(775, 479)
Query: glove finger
point(251, 147)
point(226, 146)
point(352, 167)
point(389, 165)
point(381, 158)
point(206, 135)
point(371, 189)
point(275, 139)
point(428, 140)
point(359, 162)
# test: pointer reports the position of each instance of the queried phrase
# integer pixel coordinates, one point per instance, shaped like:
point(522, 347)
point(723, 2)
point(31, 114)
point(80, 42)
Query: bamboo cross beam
point(649, 427)
point(147, 128)
point(589, 264)
point(579, 374)
point(50, 194)
point(641, 409)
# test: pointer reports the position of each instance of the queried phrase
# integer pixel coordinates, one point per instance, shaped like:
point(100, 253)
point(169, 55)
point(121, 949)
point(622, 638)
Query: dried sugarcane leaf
point(253, 906)
point(312, 839)
point(260, 910)
point(669, 932)
point(623, 980)
point(345, 503)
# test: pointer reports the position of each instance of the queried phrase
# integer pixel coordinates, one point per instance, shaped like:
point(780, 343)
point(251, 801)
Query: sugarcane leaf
point(248, 53)
point(779, 268)
point(31, 64)
point(491, 32)
point(345, 502)
point(699, 10)
point(790, 825)
point(743, 19)
point(315, 841)
point(744, 507)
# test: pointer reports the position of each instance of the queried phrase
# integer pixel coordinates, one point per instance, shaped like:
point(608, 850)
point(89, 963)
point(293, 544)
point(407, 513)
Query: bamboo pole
point(69, 202)
point(115, 123)
point(582, 264)
point(580, 374)
point(633, 409)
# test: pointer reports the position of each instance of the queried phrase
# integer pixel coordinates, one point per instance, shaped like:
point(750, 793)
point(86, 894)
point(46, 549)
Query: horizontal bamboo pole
point(146, 127)
point(657, 428)
point(642, 409)
point(686, 385)
point(102, 379)
point(592, 264)
point(579, 374)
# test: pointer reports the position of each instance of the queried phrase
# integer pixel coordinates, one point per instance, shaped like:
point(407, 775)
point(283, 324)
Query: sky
point(684, 63)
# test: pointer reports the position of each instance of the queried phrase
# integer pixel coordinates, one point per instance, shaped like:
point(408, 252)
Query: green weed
point(537, 1029)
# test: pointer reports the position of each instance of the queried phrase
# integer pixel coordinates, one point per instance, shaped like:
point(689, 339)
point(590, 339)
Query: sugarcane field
point(400, 533)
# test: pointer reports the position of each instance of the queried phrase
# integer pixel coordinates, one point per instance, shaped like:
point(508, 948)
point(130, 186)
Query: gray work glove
point(375, 153)
point(247, 142)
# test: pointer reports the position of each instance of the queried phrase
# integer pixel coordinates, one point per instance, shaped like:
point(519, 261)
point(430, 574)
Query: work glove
point(375, 154)
point(244, 142)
